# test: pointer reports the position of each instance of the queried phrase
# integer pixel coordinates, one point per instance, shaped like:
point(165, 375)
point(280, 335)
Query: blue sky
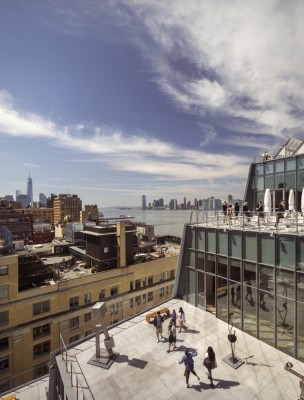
point(115, 99)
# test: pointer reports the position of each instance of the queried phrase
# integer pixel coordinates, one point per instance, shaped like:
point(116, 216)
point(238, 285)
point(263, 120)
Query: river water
point(166, 222)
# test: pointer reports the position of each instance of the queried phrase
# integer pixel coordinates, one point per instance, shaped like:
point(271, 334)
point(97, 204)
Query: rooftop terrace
point(144, 369)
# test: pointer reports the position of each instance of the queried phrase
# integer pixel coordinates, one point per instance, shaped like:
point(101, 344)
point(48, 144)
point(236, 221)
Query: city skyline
point(118, 99)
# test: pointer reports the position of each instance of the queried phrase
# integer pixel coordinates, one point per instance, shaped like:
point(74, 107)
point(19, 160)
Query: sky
point(111, 99)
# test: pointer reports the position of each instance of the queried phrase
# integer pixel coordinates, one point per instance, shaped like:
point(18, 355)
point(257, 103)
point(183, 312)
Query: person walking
point(182, 320)
point(187, 359)
point(238, 295)
point(170, 336)
point(174, 333)
point(210, 363)
point(173, 316)
point(158, 323)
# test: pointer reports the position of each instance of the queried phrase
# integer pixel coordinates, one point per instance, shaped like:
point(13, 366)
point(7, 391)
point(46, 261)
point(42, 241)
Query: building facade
point(254, 270)
point(67, 208)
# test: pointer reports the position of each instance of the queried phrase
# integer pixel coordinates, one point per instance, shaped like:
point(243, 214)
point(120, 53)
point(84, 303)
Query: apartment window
point(138, 300)
point(150, 280)
point(73, 338)
point(4, 363)
point(41, 349)
point(172, 274)
point(74, 323)
point(3, 291)
point(131, 286)
point(4, 344)
point(150, 296)
point(87, 298)
point(40, 370)
point(114, 290)
point(144, 298)
point(42, 307)
point(114, 309)
point(162, 292)
point(144, 282)
point(74, 302)
point(131, 303)
point(171, 288)
point(4, 317)
point(88, 332)
point(167, 290)
point(42, 330)
point(87, 317)
point(162, 276)
point(3, 270)
point(137, 284)
point(101, 294)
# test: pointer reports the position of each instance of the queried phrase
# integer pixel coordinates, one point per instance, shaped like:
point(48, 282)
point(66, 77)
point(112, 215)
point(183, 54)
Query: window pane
point(211, 241)
point(250, 274)
point(259, 169)
point(290, 180)
point(286, 252)
point(269, 181)
point(235, 270)
point(251, 247)
point(300, 162)
point(279, 181)
point(285, 283)
point(259, 182)
point(222, 267)
point(190, 235)
point(269, 167)
point(285, 325)
point(290, 164)
point(191, 286)
point(267, 250)
point(300, 255)
point(266, 318)
point(200, 261)
point(300, 287)
point(210, 263)
point(201, 239)
point(222, 299)
point(300, 331)
point(236, 245)
point(235, 305)
point(279, 166)
point(223, 243)
point(250, 310)
point(267, 278)
point(201, 297)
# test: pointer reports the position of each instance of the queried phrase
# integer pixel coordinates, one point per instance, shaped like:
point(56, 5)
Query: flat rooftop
point(144, 369)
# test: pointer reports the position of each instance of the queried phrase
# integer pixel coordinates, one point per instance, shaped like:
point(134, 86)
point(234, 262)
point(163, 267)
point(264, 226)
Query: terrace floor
point(144, 369)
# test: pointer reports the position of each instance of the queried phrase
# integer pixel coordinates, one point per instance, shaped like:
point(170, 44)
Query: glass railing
point(289, 221)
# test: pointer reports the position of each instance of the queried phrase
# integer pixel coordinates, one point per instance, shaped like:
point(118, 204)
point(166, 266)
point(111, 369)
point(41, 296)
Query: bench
point(11, 396)
point(164, 312)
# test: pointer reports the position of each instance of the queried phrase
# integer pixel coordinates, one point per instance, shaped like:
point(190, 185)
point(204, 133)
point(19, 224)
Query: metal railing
point(278, 222)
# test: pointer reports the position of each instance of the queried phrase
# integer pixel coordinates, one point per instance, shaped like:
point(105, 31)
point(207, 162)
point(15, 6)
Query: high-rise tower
point(30, 190)
point(143, 202)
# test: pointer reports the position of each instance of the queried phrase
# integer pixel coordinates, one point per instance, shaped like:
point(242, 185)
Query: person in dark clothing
point(280, 213)
point(260, 210)
point(246, 211)
point(187, 359)
point(210, 363)
point(236, 209)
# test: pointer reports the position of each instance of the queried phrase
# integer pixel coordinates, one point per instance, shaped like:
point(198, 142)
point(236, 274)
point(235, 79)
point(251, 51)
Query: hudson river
point(166, 222)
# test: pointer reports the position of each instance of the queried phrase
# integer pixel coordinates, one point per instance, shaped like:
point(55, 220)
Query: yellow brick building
point(32, 321)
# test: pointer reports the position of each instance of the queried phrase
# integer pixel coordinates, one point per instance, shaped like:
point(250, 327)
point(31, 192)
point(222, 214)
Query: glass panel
point(285, 283)
point(235, 304)
point(286, 251)
point(300, 331)
point(267, 250)
point(300, 255)
point(251, 247)
point(290, 164)
point(211, 241)
point(190, 258)
point(210, 263)
point(235, 270)
point(222, 299)
point(222, 266)
point(201, 239)
point(201, 296)
point(223, 243)
point(259, 182)
point(200, 261)
point(300, 179)
point(269, 181)
point(300, 287)
point(266, 318)
point(269, 168)
point(236, 245)
point(279, 181)
point(250, 310)
point(250, 274)
point(267, 278)
point(259, 169)
point(190, 235)
point(290, 180)
point(300, 162)
point(279, 166)
point(285, 325)
point(191, 286)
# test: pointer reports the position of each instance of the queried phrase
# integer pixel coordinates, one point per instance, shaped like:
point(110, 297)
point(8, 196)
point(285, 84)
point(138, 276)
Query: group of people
point(229, 209)
point(187, 359)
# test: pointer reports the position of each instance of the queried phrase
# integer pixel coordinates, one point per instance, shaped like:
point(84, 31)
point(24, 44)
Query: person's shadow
point(217, 384)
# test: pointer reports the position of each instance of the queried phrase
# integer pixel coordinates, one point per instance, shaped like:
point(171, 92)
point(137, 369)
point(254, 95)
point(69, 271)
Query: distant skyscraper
point(144, 202)
point(30, 190)
point(18, 193)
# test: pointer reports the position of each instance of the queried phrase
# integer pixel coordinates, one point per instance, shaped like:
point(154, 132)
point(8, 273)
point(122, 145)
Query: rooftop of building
point(144, 369)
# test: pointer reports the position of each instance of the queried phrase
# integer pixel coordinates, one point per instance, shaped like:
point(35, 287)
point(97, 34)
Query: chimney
point(121, 239)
